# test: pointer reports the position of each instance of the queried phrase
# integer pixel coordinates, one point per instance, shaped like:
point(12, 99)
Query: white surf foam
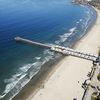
point(25, 67)
point(48, 52)
point(87, 19)
point(72, 29)
point(37, 58)
point(48, 55)
point(80, 20)
point(11, 83)
point(21, 73)
point(77, 22)
point(65, 36)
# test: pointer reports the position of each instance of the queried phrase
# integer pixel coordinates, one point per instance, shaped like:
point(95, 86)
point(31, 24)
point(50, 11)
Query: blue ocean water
point(47, 21)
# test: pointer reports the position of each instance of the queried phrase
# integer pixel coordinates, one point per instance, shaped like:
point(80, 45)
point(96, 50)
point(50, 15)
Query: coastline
point(66, 80)
point(46, 86)
point(18, 81)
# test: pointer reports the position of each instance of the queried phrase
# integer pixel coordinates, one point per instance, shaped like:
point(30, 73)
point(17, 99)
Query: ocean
point(48, 21)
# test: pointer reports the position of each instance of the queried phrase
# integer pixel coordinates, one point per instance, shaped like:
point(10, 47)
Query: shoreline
point(37, 82)
point(56, 89)
point(40, 83)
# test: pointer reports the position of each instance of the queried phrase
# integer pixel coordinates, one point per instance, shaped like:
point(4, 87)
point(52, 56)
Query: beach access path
point(66, 81)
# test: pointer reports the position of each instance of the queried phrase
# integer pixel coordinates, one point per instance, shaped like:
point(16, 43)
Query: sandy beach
point(66, 80)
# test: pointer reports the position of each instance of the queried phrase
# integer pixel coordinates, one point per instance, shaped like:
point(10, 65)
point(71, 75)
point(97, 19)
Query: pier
point(19, 39)
point(63, 50)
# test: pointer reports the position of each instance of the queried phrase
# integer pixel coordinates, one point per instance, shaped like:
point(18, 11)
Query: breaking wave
point(63, 38)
